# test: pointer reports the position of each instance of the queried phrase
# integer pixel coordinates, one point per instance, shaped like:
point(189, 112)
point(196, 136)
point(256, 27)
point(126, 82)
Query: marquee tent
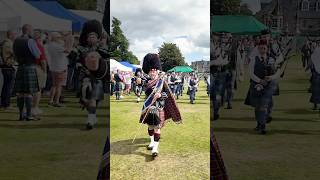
point(184, 69)
point(53, 8)
point(127, 64)
point(18, 12)
point(115, 65)
point(237, 24)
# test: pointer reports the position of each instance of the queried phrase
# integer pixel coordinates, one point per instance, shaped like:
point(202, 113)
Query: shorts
point(59, 78)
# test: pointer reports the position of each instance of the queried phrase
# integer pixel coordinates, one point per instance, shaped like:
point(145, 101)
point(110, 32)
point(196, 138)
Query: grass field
point(290, 150)
point(56, 147)
point(183, 150)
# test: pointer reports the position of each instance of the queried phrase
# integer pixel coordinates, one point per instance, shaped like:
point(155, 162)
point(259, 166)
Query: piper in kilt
point(138, 83)
point(92, 68)
point(218, 62)
point(263, 73)
point(160, 104)
point(92, 77)
point(26, 52)
point(315, 80)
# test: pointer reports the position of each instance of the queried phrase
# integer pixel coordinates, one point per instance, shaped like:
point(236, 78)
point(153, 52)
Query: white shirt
point(57, 59)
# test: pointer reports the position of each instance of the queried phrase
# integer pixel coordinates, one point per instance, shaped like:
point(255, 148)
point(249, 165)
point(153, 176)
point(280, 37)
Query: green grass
point(183, 150)
point(54, 148)
point(291, 148)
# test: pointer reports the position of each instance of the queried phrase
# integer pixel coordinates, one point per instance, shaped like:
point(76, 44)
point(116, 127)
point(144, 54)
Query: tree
point(119, 44)
point(170, 56)
point(244, 10)
point(225, 7)
point(79, 4)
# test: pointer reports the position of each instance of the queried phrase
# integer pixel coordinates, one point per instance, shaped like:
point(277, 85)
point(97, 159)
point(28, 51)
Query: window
point(304, 23)
point(305, 5)
point(274, 23)
point(312, 6)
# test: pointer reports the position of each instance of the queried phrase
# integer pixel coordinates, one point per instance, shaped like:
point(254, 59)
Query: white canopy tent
point(15, 13)
point(115, 65)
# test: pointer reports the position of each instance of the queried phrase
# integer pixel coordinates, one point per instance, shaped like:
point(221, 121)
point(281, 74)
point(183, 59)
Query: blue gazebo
point(53, 8)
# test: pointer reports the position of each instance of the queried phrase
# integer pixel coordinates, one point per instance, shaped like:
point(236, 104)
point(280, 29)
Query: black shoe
point(263, 132)
point(154, 154)
point(216, 117)
point(89, 126)
point(229, 107)
point(269, 119)
point(149, 148)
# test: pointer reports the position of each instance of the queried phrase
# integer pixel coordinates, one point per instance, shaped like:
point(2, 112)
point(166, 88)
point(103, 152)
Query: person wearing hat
point(263, 73)
point(159, 105)
point(192, 87)
point(89, 40)
point(92, 77)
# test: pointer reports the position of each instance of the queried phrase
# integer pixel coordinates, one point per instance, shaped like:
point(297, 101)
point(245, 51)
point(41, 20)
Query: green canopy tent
point(237, 24)
point(184, 69)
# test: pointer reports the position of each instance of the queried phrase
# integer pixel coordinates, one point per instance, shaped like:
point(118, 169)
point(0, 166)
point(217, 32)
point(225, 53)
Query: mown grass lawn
point(56, 147)
point(183, 150)
point(290, 150)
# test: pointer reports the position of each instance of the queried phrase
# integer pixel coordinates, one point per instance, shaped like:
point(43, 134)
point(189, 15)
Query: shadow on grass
point(275, 119)
point(298, 111)
point(126, 147)
point(195, 102)
point(269, 132)
point(29, 125)
point(296, 91)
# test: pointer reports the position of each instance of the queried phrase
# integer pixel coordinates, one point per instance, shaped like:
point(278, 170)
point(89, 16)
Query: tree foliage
point(170, 56)
point(229, 7)
point(79, 4)
point(119, 44)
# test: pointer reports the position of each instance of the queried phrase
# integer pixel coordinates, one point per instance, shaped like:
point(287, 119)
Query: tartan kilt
point(26, 80)
point(217, 168)
point(161, 117)
point(265, 98)
point(315, 88)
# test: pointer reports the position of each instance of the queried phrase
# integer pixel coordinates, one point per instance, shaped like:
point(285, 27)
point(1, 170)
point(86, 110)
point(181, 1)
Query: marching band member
point(160, 104)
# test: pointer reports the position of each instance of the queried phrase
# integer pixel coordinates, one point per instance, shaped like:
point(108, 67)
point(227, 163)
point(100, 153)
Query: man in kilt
point(89, 41)
point(138, 83)
point(26, 52)
point(93, 70)
point(218, 62)
point(160, 104)
point(263, 73)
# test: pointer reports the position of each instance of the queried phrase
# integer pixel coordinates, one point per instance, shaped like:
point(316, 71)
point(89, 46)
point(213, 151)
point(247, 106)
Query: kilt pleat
point(26, 80)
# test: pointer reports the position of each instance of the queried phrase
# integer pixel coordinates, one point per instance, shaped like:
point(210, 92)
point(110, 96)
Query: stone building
point(202, 66)
point(292, 16)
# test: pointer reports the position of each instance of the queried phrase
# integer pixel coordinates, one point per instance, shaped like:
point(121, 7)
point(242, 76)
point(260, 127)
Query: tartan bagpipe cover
point(104, 170)
point(217, 168)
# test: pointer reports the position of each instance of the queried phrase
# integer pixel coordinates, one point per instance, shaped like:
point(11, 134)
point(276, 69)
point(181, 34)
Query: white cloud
point(149, 23)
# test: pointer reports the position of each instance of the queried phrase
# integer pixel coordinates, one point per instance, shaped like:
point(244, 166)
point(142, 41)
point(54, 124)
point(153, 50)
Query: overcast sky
point(149, 23)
